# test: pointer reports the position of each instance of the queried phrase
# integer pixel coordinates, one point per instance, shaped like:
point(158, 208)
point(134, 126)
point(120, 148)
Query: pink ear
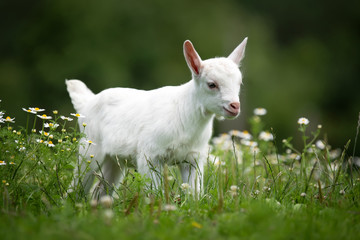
point(192, 58)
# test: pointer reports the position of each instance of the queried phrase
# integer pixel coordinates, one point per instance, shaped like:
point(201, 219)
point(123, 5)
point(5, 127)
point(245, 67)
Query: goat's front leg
point(192, 172)
point(152, 169)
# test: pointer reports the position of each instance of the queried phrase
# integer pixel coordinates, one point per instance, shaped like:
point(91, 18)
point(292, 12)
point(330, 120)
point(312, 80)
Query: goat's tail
point(79, 93)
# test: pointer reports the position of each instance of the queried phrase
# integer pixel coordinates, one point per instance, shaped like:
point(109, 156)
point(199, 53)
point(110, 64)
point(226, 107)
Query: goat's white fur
point(146, 129)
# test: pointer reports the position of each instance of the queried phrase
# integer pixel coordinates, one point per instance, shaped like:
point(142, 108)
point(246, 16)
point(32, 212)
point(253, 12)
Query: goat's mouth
point(230, 113)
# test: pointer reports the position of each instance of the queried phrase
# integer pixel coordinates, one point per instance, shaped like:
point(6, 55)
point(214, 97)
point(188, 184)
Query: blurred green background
point(302, 58)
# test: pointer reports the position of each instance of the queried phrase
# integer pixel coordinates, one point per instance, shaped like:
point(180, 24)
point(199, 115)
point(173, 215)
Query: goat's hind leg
point(109, 176)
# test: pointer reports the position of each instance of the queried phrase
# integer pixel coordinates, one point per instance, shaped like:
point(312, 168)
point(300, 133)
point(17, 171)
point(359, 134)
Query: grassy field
point(251, 189)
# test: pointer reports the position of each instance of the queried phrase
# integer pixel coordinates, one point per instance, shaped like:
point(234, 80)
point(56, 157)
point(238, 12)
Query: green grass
point(252, 189)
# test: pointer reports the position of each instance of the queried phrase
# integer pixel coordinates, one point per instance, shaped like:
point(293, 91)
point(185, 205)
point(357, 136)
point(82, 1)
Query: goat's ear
point(192, 58)
point(239, 52)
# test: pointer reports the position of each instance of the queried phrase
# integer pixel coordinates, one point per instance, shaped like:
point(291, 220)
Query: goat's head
point(217, 80)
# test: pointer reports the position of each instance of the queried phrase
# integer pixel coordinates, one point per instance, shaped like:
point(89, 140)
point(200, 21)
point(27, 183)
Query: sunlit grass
point(251, 188)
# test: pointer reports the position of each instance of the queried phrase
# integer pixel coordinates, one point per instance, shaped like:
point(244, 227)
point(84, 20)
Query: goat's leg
point(192, 172)
point(152, 169)
point(109, 177)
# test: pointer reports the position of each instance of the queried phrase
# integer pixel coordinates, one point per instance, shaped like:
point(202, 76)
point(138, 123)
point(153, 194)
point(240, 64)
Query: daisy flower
point(29, 110)
point(51, 125)
point(78, 115)
point(303, 121)
point(266, 136)
point(2, 163)
point(66, 118)
point(44, 116)
point(9, 119)
point(45, 133)
point(241, 134)
point(90, 142)
point(50, 144)
point(36, 109)
point(260, 111)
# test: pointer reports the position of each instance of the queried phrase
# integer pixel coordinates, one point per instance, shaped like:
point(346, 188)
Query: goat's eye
point(211, 85)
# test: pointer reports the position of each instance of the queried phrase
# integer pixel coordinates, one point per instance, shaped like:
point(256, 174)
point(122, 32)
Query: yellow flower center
point(36, 109)
point(8, 118)
point(44, 115)
point(50, 142)
point(78, 115)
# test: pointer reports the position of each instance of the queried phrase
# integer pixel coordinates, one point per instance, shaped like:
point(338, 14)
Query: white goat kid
point(147, 129)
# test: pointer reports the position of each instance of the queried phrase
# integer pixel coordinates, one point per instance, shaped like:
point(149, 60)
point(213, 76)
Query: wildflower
point(93, 203)
point(266, 189)
point(169, 208)
point(233, 190)
point(260, 111)
point(91, 156)
point(266, 136)
point(342, 192)
point(51, 125)
point(22, 148)
point(319, 126)
point(249, 143)
point(185, 187)
point(106, 201)
point(55, 112)
point(44, 133)
point(218, 162)
point(33, 130)
point(84, 124)
point(78, 115)
point(36, 109)
point(241, 134)
point(44, 116)
point(320, 144)
point(66, 118)
point(59, 140)
point(4, 181)
point(9, 119)
point(50, 144)
point(29, 110)
point(303, 121)
point(2, 163)
point(303, 194)
point(89, 142)
point(39, 140)
point(11, 163)
point(256, 192)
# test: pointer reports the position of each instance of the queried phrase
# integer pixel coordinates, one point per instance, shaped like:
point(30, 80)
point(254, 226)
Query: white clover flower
point(266, 136)
point(9, 119)
point(169, 208)
point(303, 121)
point(185, 187)
point(66, 118)
point(36, 109)
point(260, 111)
point(320, 144)
point(44, 116)
point(234, 190)
point(78, 115)
point(106, 201)
point(29, 110)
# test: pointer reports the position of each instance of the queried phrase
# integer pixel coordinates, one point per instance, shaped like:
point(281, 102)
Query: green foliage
point(249, 189)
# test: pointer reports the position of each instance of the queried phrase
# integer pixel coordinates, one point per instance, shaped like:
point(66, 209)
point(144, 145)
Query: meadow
point(252, 189)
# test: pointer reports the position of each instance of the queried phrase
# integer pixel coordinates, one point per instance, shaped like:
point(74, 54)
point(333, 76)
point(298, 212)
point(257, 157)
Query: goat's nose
point(235, 105)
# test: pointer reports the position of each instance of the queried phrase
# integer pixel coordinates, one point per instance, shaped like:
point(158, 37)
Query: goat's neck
point(192, 110)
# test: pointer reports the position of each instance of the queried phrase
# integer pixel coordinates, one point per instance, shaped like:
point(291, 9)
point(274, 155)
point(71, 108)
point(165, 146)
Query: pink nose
point(235, 106)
